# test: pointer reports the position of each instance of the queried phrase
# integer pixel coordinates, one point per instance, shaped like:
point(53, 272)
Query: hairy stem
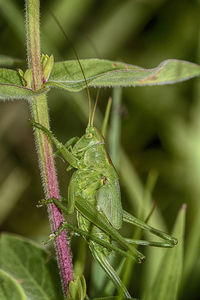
point(39, 111)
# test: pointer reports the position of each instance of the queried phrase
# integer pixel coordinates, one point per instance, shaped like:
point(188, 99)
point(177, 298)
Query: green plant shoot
point(94, 191)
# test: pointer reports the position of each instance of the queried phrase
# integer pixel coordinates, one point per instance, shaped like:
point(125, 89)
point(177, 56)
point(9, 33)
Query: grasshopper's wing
point(109, 201)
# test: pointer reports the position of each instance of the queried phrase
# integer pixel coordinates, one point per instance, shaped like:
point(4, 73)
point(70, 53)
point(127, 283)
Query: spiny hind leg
point(100, 252)
point(171, 241)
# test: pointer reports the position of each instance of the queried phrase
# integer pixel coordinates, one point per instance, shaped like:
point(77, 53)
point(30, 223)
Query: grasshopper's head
point(93, 134)
point(91, 137)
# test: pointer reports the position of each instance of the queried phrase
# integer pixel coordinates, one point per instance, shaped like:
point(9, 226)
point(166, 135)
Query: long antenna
point(87, 88)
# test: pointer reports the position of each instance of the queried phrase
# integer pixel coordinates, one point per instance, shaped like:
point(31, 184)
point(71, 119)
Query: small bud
point(44, 60)
point(21, 75)
point(47, 67)
point(21, 72)
point(28, 78)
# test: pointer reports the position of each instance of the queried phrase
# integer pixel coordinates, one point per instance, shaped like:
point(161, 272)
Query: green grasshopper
point(94, 191)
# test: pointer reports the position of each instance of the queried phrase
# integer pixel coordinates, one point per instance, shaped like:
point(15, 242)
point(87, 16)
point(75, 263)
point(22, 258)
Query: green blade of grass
point(167, 280)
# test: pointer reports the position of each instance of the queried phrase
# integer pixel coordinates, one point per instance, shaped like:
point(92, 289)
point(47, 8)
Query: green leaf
point(31, 267)
point(8, 61)
point(167, 281)
point(11, 86)
point(19, 181)
point(105, 73)
point(10, 288)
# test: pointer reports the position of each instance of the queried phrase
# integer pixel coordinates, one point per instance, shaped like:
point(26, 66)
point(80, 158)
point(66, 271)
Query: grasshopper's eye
point(90, 135)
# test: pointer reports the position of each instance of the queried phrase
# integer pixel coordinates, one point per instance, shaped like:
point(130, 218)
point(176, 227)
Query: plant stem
point(39, 111)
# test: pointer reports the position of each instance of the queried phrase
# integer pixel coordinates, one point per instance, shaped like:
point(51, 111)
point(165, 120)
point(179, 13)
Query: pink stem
point(56, 220)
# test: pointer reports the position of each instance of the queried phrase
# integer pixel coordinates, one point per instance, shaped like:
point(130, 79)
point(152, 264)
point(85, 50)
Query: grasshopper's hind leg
point(103, 262)
point(171, 241)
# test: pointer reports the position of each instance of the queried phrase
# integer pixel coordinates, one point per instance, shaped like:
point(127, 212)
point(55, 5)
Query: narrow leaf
point(31, 267)
point(10, 288)
point(105, 73)
point(11, 86)
point(167, 281)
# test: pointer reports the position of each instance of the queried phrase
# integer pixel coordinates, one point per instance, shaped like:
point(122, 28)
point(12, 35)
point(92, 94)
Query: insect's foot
point(45, 243)
point(35, 124)
point(51, 239)
point(74, 234)
point(52, 236)
point(55, 234)
point(44, 202)
point(174, 241)
point(41, 203)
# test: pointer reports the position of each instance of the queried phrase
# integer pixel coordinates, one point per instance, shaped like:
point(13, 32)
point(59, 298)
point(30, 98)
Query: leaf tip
point(184, 206)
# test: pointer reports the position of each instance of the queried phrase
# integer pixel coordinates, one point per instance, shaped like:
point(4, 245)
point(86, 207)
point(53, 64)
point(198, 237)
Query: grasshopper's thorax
point(92, 149)
point(96, 154)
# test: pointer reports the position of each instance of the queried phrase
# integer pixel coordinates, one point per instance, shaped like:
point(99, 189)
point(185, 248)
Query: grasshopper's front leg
point(68, 156)
point(68, 145)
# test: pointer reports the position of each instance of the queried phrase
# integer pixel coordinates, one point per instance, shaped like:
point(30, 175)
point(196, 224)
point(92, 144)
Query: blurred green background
point(160, 126)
